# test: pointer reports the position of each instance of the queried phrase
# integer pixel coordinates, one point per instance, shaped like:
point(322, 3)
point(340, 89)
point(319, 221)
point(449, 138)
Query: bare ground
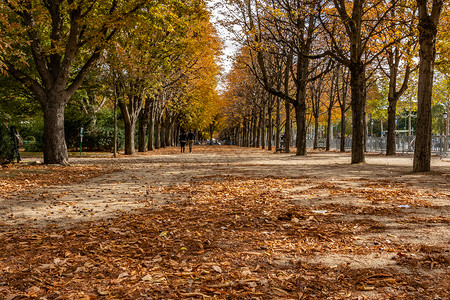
point(225, 222)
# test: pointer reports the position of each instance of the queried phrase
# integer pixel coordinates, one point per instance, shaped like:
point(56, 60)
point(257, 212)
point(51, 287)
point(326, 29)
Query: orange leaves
point(225, 230)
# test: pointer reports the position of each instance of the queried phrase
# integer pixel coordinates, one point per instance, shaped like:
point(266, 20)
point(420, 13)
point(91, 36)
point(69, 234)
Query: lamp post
point(445, 116)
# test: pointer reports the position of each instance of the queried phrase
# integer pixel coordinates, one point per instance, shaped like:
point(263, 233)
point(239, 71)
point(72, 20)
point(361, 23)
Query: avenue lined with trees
point(328, 57)
point(157, 62)
point(294, 184)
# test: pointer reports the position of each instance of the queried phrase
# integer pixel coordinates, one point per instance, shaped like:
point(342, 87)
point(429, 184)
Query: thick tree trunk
point(55, 148)
point(300, 114)
point(427, 40)
point(300, 106)
point(357, 83)
point(392, 109)
point(130, 115)
point(129, 137)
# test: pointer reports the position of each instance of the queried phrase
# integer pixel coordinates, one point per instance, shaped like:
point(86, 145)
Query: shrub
point(7, 153)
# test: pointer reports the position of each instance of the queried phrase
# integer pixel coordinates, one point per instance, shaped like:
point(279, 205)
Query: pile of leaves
point(220, 238)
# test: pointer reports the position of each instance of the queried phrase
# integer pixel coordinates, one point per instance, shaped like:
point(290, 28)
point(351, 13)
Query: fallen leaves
point(233, 237)
point(23, 178)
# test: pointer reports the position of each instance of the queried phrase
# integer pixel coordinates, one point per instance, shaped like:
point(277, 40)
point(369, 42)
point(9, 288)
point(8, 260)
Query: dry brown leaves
point(223, 237)
point(19, 178)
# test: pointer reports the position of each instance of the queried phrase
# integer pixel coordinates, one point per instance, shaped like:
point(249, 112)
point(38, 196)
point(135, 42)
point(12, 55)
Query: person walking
point(183, 139)
point(190, 139)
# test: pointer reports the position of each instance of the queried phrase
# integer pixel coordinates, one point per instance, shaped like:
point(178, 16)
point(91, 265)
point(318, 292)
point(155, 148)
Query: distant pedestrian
point(190, 138)
point(183, 139)
point(283, 141)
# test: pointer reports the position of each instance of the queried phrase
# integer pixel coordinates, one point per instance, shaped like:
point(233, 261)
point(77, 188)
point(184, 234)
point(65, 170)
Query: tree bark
point(55, 149)
point(357, 83)
point(390, 145)
point(300, 116)
point(158, 134)
point(151, 130)
point(263, 126)
point(278, 124)
point(162, 134)
point(130, 111)
point(427, 40)
point(316, 130)
point(394, 96)
point(270, 124)
point(329, 128)
point(254, 128)
point(259, 134)
point(143, 123)
point(343, 128)
point(129, 138)
point(287, 127)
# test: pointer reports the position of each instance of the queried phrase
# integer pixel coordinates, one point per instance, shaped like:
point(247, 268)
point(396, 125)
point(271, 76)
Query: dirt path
point(359, 230)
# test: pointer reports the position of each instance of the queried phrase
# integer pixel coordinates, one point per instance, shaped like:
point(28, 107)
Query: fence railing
point(403, 144)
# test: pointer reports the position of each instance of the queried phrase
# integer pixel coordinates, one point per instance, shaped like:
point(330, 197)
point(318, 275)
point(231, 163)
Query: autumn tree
point(429, 15)
point(61, 40)
point(293, 26)
point(396, 63)
point(353, 28)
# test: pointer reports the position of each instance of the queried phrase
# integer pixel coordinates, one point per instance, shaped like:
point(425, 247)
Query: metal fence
point(404, 144)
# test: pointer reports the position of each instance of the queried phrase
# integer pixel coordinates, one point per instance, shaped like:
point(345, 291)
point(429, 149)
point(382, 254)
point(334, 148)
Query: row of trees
point(326, 56)
point(156, 60)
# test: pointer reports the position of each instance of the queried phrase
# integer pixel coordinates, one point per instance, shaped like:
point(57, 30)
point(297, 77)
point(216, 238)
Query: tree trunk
point(143, 123)
point(129, 137)
point(211, 132)
point(263, 127)
point(390, 145)
point(287, 127)
point(357, 83)
point(427, 40)
point(270, 125)
point(278, 124)
point(316, 130)
point(129, 118)
point(254, 129)
point(151, 129)
point(259, 132)
point(300, 114)
point(55, 148)
point(158, 134)
point(343, 128)
point(162, 134)
point(329, 128)
point(300, 106)
point(167, 130)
